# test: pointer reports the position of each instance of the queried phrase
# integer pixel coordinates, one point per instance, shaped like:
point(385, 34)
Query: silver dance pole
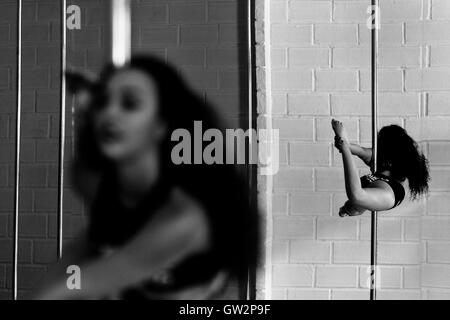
point(249, 280)
point(17, 160)
point(121, 31)
point(62, 128)
point(252, 171)
point(374, 217)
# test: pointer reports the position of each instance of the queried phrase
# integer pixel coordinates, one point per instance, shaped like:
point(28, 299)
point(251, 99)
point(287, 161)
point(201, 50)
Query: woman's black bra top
point(397, 187)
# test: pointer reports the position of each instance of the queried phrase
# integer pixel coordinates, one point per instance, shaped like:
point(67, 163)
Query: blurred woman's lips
point(109, 133)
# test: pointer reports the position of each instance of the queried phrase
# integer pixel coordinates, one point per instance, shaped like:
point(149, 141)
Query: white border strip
point(269, 178)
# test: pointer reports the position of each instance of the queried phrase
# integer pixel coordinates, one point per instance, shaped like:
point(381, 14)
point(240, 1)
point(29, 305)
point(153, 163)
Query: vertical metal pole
point(17, 159)
point(374, 217)
point(72, 110)
point(121, 31)
point(251, 281)
point(62, 128)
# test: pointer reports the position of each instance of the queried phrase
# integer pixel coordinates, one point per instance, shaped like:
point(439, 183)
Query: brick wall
point(40, 121)
point(199, 36)
point(320, 54)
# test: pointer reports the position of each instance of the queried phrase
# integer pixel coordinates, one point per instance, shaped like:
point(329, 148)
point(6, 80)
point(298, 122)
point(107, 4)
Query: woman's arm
point(75, 253)
point(162, 242)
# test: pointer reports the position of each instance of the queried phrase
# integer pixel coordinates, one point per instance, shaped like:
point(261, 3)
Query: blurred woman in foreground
point(157, 230)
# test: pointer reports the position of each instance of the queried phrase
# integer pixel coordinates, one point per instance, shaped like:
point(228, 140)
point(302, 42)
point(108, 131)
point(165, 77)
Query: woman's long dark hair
point(218, 187)
point(400, 154)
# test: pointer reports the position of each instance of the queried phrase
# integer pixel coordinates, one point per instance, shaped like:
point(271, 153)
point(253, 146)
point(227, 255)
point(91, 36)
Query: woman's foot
point(339, 130)
point(348, 209)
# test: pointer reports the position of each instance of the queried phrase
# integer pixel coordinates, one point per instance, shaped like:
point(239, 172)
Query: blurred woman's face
point(126, 121)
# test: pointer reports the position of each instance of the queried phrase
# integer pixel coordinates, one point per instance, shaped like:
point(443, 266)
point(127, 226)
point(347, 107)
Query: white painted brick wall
point(320, 70)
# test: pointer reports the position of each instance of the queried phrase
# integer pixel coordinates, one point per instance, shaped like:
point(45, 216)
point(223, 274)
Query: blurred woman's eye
point(129, 102)
point(101, 100)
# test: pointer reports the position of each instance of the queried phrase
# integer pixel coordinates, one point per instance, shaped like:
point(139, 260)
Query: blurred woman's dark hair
point(218, 187)
point(400, 154)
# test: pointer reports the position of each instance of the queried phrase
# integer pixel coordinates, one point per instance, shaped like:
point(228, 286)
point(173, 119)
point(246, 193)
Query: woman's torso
point(112, 225)
point(396, 186)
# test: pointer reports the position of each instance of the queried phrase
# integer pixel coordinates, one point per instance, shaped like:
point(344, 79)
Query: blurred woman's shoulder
point(190, 212)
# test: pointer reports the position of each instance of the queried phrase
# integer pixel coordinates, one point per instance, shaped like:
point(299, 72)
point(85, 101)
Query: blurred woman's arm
point(174, 234)
point(75, 253)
